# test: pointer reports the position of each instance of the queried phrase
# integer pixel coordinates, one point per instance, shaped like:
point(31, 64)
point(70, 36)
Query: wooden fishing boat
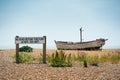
point(89, 45)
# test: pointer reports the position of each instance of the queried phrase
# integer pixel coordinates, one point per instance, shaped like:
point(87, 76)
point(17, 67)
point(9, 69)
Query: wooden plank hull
point(90, 45)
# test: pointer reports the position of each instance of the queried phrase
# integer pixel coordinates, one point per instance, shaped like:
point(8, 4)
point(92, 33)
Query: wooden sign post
point(44, 50)
point(30, 40)
point(17, 51)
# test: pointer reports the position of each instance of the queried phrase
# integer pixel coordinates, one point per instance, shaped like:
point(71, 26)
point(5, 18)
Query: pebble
point(12, 71)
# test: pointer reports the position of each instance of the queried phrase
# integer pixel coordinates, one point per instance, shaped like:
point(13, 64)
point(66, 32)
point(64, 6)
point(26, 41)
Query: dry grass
point(38, 52)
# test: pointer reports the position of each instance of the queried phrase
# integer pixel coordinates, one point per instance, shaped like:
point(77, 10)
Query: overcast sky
point(59, 20)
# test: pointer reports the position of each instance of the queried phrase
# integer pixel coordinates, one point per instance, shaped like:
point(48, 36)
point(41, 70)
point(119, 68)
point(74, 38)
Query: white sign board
point(29, 40)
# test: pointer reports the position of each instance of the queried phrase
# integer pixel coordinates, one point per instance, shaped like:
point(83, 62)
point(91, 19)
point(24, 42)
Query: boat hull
point(90, 45)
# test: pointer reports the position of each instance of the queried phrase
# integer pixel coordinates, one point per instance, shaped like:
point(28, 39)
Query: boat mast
point(81, 34)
